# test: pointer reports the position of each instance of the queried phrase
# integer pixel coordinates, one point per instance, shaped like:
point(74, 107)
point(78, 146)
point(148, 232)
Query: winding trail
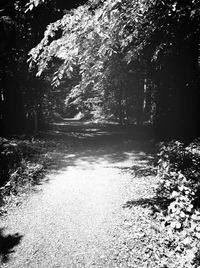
point(87, 212)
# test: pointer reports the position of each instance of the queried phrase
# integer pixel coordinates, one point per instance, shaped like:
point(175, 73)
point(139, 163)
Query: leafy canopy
point(88, 37)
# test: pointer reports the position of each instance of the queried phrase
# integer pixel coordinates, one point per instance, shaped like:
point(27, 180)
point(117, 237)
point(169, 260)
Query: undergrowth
point(23, 163)
point(179, 190)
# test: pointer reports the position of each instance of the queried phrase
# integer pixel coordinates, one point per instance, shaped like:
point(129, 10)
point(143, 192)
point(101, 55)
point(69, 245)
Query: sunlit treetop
point(89, 35)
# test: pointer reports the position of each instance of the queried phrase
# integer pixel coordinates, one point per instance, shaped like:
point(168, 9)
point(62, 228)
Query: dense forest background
point(131, 63)
point(134, 62)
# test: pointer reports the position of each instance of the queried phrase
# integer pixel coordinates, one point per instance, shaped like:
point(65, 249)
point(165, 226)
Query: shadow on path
point(78, 213)
point(88, 144)
point(7, 244)
point(155, 204)
point(74, 130)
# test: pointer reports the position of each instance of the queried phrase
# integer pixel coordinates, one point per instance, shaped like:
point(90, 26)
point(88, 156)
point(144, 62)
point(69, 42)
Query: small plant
point(179, 186)
point(10, 158)
point(20, 164)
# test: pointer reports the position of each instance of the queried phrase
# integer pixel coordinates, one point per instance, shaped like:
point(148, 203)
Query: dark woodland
point(90, 91)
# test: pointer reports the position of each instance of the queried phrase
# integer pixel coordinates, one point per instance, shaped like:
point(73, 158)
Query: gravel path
point(90, 211)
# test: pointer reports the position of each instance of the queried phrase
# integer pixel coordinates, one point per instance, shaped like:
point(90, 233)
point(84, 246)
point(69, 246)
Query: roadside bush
point(20, 164)
point(28, 173)
point(179, 187)
point(10, 158)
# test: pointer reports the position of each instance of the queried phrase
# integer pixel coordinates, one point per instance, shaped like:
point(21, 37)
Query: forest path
point(90, 211)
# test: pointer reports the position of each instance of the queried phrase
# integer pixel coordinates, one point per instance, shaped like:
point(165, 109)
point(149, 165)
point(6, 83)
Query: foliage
point(10, 158)
point(173, 48)
point(21, 164)
point(103, 51)
point(24, 100)
point(179, 186)
point(90, 43)
point(14, 76)
point(152, 39)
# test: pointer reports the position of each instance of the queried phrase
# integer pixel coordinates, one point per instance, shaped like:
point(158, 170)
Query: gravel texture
point(93, 208)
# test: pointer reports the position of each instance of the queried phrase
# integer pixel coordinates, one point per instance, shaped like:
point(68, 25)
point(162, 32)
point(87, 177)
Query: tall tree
point(162, 38)
point(22, 94)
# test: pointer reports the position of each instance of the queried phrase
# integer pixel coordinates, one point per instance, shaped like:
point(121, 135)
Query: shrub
point(179, 187)
point(10, 158)
point(179, 172)
point(20, 163)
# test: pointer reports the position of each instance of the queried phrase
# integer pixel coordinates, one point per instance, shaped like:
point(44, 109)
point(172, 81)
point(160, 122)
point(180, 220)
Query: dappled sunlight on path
point(73, 220)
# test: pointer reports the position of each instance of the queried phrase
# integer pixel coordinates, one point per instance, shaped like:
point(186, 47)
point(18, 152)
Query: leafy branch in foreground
point(179, 187)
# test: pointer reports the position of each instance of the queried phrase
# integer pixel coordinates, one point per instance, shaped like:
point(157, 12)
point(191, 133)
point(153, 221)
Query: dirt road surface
point(87, 211)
